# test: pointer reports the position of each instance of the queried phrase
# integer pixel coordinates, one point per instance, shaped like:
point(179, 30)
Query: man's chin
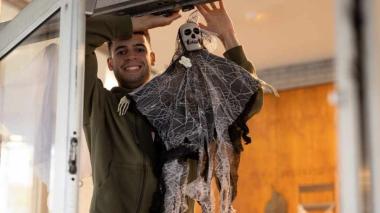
point(134, 83)
point(132, 79)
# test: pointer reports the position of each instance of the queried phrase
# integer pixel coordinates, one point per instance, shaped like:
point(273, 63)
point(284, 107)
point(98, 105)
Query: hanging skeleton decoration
point(199, 107)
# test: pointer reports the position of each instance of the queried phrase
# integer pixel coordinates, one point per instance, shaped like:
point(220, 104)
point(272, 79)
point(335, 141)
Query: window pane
point(27, 120)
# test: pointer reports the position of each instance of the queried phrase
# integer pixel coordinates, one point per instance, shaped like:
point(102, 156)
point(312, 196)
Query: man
point(121, 144)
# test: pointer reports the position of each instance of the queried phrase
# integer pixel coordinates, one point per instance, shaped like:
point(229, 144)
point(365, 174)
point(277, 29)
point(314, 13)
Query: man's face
point(131, 61)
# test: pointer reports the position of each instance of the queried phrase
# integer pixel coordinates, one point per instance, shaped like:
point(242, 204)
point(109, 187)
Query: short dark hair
point(144, 33)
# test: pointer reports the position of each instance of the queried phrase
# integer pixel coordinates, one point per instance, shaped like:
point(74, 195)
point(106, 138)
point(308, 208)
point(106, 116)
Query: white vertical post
point(69, 106)
point(372, 92)
point(348, 111)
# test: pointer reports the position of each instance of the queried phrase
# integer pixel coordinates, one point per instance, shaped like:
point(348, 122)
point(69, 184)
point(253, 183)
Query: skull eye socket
point(196, 30)
point(187, 32)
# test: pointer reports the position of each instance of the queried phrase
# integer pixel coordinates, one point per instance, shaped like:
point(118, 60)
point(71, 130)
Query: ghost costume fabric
point(198, 106)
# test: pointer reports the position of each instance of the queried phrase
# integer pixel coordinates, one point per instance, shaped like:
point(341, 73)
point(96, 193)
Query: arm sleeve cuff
point(236, 54)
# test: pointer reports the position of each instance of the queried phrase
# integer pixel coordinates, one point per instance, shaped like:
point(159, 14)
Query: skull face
point(191, 36)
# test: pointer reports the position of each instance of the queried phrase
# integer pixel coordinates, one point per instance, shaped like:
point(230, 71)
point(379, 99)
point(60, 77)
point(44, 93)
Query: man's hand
point(143, 23)
point(219, 22)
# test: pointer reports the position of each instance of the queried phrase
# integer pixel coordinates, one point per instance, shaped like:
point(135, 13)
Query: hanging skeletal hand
point(123, 106)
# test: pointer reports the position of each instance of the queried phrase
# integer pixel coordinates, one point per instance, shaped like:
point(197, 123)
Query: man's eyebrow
point(139, 45)
point(120, 47)
point(124, 46)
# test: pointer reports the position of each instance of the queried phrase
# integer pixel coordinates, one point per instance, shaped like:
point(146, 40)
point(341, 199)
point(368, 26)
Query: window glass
point(27, 120)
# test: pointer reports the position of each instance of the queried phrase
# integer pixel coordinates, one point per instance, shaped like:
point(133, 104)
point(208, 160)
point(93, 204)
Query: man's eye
point(141, 50)
point(121, 52)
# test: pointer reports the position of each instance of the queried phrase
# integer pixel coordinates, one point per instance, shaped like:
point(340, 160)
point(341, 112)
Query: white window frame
point(372, 96)
point(69, 88)
point(359, 148)
point(349, 154)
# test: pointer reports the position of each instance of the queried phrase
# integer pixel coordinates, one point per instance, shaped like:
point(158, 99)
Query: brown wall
point(294, 143)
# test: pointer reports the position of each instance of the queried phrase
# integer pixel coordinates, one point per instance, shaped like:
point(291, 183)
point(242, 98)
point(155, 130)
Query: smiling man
point(121, 141)
point(131, 60)
point(121, 144)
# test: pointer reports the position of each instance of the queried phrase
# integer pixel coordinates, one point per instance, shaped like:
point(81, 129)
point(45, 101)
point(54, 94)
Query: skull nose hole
point(192, 35)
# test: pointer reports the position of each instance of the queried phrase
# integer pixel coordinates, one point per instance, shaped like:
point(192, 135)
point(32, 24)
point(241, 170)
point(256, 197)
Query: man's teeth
point(133, 68)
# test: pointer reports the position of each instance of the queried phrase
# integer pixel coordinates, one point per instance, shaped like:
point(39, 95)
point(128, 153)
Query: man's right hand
point(143, 23)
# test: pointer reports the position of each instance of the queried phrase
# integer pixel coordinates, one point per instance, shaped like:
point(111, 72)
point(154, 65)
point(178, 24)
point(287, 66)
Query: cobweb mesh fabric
point(193, 105)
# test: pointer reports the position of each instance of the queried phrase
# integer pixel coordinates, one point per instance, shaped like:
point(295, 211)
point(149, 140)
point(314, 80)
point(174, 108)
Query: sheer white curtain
point(28, 79)
point(28, 105)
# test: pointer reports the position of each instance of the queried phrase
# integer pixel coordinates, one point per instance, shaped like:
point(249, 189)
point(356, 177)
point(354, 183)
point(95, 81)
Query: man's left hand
point(219, 22)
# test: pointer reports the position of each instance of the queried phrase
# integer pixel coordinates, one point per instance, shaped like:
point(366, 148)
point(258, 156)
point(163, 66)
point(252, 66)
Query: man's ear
point(110, 63)
point(152, 58)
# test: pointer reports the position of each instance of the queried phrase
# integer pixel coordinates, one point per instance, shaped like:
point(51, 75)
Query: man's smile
point(132, 68)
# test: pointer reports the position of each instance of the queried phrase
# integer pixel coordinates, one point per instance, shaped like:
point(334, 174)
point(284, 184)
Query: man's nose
point(130, 55)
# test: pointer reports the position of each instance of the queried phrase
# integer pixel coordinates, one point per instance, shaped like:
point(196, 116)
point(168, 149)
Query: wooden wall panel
point(294, 144)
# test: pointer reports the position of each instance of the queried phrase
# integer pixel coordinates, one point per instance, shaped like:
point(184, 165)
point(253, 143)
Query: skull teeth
point(192, 42)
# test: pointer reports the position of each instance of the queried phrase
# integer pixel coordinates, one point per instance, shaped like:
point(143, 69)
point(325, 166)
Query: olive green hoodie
point(121, 147)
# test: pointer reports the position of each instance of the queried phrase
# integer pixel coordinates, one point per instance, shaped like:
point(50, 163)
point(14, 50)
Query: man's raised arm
point(104, 28)
point(220, 23)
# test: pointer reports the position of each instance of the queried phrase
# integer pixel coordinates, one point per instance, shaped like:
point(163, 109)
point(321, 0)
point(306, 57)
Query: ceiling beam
point(300, 75)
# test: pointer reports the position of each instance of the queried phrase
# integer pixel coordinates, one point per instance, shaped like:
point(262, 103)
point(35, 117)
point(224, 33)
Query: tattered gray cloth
point(195, 106)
